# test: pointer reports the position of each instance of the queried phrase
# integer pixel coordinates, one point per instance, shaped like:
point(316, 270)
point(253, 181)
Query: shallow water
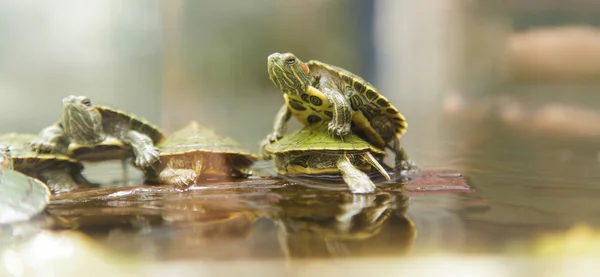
point(526, 182)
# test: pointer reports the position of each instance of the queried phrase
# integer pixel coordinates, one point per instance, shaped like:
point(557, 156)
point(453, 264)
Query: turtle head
point(288, 73)
point(81, 121)
point(5, 158)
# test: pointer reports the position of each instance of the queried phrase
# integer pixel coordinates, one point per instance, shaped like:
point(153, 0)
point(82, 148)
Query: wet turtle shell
point(385, 122)
point(21, 197)
point(202, 153)
point(112, 121)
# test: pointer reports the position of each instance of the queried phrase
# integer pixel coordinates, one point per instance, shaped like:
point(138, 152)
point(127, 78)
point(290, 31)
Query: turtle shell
point(195, 138)
point(23, 158)
point(113, 122)
point(315, 137)
point(377, 109)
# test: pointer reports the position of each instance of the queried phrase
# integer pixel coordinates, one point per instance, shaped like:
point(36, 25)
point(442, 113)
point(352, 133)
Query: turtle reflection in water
point(88, 132)
point(315, 223)
point(311, 150)
point(60, 172)
point(196, 153)
point(316, 92)
point(21, 197)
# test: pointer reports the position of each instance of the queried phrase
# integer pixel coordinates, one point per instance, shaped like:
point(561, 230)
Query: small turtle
point(196, 152)
point(59, 172)
point(317, 91)
point(311, 150)
point(88, 132)
point(21, 197)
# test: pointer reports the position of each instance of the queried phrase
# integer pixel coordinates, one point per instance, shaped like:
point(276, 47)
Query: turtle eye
point(290, 60)
point(86, 102)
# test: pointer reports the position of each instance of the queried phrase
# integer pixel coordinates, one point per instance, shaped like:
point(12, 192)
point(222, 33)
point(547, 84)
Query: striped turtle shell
point(195, 138)
point(314, 137)
point(383, 117)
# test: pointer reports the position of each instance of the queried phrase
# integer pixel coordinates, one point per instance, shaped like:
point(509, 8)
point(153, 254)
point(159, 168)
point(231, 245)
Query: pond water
point(521, 182)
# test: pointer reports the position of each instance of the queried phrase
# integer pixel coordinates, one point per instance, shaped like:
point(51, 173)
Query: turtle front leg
point(279, 128)
point(146, 154)
point(403, 165)
point(51, 139)
point(280, 125)
point(357, 181)
point(181, 178)
point(342, 113)
point(58, 180)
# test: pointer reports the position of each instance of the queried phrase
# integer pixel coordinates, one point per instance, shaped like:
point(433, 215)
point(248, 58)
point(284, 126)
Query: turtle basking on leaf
point(311, 150)
point(88, 132)
point(61, 173)
point(195, 152)
point(316, 92)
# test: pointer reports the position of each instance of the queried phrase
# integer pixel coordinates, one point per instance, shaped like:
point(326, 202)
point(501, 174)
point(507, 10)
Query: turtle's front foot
point(406, 168)
point(146, 154)
point(357, 181)
point(181, 178)
point(264, 154)
point(274, 136)
point(339, 130)
point(146, 157)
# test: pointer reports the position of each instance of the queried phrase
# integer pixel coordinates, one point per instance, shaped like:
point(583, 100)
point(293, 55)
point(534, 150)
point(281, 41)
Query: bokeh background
point(506, 91)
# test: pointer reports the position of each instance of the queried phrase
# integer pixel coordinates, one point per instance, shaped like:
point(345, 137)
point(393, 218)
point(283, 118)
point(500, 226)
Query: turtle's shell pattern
point(24, 158)
point(315, 137)
point(195, 138)
point(112, 118)
point(366, 98)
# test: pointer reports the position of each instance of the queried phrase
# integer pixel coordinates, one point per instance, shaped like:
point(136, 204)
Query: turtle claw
point(406, 169)
point(338, 130)
point(146, 158)
point(273, 137)
point(184, 181)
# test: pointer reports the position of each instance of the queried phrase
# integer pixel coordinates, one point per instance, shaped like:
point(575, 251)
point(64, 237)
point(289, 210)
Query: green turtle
point(21, 197)
point(61, 173)
point(311, 150)
point(316, 91)
point(196, 152)
point(89, 133)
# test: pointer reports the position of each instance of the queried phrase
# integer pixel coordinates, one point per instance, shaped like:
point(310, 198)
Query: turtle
point(21, 197)
point(60, 172)
point(316, 91)
point(196, 152)
point(311, 150)
point(91, 132)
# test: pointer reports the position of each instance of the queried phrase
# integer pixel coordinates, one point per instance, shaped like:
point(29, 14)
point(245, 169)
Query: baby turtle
point(311, 150)
point(196, 152)
point(21, 197)
point(85, 131)
point(59, 172)
point(317, 91)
